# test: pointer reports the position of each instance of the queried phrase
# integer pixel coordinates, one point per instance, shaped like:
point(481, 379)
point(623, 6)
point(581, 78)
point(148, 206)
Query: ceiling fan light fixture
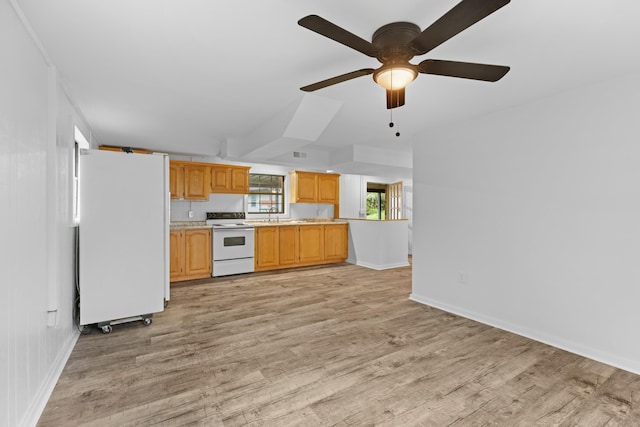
point(395, 77)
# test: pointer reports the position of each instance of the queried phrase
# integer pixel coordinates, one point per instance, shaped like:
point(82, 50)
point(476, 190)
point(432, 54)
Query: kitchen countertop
point(301, 221)
point(177, 225)
point(374, 220)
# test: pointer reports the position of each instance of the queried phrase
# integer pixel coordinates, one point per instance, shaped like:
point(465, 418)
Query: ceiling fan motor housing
point(393, 41)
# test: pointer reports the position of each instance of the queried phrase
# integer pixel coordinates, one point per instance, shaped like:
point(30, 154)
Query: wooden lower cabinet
point(266, 248)
point(287, 246)
point(311, 244)
point(176, 254)
point(336, 242)
point(190, 254)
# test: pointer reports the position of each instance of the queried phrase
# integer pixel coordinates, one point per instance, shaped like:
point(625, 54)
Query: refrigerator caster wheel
point(146, 321)
point(106, 329)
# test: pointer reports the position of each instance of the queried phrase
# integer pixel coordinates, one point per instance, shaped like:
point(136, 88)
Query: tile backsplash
point(216, 203)
point(311, 210)
point(237, 203)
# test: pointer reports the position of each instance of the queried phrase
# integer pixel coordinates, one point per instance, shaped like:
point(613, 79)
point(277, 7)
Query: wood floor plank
point(337, 345)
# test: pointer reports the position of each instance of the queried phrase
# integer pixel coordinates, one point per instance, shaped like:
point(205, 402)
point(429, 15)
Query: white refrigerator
point(123, 244)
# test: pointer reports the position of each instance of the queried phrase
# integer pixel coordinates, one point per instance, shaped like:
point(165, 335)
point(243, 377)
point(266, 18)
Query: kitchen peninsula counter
point(378, 244)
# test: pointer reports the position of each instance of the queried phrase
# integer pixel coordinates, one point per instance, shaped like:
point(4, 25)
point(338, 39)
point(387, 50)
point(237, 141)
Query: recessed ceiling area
point(223, 78)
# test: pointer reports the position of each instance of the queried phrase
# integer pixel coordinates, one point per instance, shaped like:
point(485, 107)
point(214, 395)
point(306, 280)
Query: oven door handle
point(232, 229)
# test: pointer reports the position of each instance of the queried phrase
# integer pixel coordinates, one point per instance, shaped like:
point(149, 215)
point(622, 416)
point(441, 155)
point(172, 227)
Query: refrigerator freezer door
point(123, 235)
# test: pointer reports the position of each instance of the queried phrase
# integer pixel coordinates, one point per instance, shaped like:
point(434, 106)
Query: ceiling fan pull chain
point(391, 124)
point(391, 109)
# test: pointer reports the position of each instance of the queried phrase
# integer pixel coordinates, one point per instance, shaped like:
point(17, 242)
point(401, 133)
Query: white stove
point(232, 243)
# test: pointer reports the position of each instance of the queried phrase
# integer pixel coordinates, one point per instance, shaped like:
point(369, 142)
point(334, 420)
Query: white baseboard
point(42, 397)
point(632, 366)
point(382, 267)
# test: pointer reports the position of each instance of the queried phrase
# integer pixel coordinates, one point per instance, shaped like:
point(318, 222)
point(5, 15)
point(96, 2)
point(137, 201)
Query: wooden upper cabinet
point(328, 188)
point(176, 180)
point(220, 179)
point(229, 179)
point(306, 190)
point(196, 181)
point(313, 187)
point(188, 180)
point(240, 180)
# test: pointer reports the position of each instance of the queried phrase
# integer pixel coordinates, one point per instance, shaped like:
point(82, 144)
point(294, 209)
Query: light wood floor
point(339, 345)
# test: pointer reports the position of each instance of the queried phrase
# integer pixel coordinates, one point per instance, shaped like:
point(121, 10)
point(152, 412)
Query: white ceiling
point(213, 77)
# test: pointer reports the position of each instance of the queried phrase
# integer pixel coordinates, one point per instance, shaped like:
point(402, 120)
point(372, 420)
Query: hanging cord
point(391, 124)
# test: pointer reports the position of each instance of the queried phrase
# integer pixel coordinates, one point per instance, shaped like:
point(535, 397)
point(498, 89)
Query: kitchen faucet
point(272, 209)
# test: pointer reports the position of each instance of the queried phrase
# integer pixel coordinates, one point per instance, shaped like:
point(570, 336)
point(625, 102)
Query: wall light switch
point(190, 214)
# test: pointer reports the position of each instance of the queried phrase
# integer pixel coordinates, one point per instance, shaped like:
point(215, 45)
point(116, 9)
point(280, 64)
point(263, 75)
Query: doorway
point(384, 201)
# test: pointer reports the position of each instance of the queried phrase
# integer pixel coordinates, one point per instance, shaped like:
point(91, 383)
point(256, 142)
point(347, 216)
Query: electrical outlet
point(190, 214)
point(462, 277)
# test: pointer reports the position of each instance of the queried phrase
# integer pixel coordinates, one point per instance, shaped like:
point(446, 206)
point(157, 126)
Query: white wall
point(538, 207)
point(37, 238)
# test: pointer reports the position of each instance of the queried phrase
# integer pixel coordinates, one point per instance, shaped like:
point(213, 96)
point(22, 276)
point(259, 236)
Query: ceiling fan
point(395, 44)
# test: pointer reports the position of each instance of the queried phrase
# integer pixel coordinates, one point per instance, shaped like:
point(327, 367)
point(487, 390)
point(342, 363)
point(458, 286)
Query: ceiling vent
point(299, 155)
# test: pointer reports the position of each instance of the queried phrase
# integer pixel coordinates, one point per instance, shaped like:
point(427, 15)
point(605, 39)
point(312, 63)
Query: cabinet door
point(196, 182)
point(328, 188)
point(176, 254)
point(307, 187)
point(239, 181)
point(335, 242)
point(197, 251)
point(266, 247)
point(311, 243)
point(289, 245)
point(176, 180)
point(220, 179)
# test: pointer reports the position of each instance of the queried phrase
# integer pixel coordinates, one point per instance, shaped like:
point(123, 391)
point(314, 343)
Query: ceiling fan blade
point(395, 98)
point(465, 70)
point(462, 16)
point(337, 79)
point(339, 34)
